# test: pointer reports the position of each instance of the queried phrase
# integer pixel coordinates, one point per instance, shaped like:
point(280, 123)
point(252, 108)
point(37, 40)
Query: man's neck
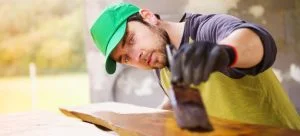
point(175, 31)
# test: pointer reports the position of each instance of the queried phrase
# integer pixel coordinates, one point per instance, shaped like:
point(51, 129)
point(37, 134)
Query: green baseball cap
point(109, 29)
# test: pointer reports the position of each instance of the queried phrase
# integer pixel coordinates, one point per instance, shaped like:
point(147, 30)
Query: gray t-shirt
point(215, 27)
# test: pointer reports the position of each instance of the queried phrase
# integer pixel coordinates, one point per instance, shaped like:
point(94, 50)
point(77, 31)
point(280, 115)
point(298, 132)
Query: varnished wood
point(137, 121)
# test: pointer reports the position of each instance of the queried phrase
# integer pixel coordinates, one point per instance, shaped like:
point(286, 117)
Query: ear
point(148, 16)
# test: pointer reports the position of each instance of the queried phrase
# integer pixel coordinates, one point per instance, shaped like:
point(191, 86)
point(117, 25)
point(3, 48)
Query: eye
point(131, 39)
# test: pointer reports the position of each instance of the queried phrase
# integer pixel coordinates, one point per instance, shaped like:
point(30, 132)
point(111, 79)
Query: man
point(227, 59)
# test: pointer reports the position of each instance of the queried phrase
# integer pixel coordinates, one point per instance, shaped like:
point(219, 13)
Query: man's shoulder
point(189, 16)
point(203, 17)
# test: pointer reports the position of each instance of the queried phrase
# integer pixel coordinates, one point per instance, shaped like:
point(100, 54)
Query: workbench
point(113, 119)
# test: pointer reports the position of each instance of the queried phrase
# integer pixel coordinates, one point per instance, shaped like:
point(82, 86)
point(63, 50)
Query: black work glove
point(193, 63)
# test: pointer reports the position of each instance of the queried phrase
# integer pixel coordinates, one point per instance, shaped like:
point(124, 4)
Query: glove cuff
point(232, 53)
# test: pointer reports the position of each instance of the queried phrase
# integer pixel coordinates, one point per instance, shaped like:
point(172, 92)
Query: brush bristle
point(189, 109)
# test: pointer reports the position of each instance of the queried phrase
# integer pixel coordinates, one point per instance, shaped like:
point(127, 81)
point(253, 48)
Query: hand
point(193, 63)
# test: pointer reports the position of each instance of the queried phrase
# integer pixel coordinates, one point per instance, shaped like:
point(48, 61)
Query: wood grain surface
point(130, 120)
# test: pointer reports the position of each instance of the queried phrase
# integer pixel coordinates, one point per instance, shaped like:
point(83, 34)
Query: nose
point(135, 55)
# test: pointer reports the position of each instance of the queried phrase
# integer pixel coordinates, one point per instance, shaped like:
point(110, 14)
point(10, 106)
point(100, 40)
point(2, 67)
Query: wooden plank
point(130, 120)
point(46, 124)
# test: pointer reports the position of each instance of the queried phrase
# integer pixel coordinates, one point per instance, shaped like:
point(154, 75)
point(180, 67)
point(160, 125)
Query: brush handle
point(187, 103)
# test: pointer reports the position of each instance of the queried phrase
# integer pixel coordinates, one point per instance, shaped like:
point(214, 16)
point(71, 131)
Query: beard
point(160, 52)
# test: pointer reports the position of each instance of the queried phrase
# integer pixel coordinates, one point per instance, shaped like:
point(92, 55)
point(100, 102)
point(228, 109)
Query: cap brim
point(110, 64)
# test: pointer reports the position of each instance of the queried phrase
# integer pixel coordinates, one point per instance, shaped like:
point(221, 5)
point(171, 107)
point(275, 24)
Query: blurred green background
point(48, 34)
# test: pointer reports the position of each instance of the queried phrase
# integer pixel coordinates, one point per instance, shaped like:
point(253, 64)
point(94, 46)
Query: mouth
point(149, 58)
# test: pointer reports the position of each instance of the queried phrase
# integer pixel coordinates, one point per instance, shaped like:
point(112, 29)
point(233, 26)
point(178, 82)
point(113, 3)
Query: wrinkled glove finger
point(199, 66)
point(188, 72)
point(212, 59)
point(176, 69)
point(187, 65)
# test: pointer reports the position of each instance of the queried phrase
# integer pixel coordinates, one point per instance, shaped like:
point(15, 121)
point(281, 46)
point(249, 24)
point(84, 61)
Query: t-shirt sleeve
point(217, 27)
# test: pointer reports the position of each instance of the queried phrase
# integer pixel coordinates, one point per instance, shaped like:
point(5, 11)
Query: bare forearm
point(248, 46)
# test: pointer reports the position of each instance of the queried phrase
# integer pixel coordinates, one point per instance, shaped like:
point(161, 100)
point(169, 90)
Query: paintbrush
point(187, 104)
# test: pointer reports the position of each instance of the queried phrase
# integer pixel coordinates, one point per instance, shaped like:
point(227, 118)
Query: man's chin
point(159, 66)
point(153, 67)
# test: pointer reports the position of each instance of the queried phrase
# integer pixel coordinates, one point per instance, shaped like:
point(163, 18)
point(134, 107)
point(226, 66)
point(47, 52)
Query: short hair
point(137, 17)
